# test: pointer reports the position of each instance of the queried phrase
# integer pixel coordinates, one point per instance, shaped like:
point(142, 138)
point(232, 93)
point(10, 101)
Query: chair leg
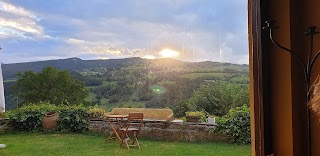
point(110, 136)
point(135, 140)
point(127, 143)
point(125, 140)
point(121, 141)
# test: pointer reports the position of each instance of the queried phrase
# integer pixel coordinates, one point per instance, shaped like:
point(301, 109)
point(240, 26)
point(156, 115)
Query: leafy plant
point(96, 112)
point(217, 98)
point(73, 119)
point(236, 124)
point(201, 115)
point(181, 108)
point(29, 118)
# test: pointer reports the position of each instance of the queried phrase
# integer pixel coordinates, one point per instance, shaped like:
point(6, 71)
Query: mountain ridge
point(74, 63)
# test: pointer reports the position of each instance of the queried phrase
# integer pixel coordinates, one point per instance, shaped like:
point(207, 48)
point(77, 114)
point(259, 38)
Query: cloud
point(9, 8)
point(75, 41)
point(100, 49)
point(19, 22)
point(198, 30)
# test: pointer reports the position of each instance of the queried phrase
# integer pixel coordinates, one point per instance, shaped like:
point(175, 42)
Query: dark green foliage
point(217, 98)
point(51, 85)
point(157, 102)
point(147, 97)
point(114, 93)
point(73, 119)
point(103, 89)
point(29, 118)
point(236, 124)
point(181, 108)
point(114, 99)
point(89, 81)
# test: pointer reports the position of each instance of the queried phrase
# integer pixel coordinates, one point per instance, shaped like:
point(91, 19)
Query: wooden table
point(115, 122)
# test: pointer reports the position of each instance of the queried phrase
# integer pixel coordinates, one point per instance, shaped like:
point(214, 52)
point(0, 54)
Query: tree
point(218, 98)
point(50, 85)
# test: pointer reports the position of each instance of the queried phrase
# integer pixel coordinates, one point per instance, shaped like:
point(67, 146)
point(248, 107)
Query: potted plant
point(195, 116)
point(50, 120)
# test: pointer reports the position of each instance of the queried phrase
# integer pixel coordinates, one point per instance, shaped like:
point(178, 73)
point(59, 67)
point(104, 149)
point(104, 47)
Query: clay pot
point(50, 120)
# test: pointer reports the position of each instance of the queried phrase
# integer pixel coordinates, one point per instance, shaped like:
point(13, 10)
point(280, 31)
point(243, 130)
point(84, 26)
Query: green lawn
point(35, 144)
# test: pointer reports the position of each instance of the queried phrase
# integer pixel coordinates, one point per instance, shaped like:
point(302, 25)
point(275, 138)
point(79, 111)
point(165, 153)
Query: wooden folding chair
point(133, 128)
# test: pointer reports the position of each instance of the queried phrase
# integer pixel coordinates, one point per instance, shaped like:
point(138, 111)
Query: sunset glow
point(148, 57)
point(169, 53)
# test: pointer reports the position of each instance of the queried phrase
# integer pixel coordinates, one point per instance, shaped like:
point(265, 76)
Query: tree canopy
point(216, 98)
point(50, 85)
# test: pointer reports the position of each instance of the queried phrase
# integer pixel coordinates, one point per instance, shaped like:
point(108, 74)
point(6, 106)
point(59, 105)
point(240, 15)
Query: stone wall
point(160, 130)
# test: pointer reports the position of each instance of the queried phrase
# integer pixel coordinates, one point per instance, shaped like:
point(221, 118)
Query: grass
point(35, 144)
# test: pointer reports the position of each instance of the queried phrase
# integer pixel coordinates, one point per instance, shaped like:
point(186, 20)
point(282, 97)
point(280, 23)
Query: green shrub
point(181, 108)
point(29, 118)
point(199, 114)
point(73, 119)
point(236, 124)
point(96, 112)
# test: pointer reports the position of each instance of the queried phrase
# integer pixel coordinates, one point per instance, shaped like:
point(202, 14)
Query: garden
point(23, 134)
point(81, 129)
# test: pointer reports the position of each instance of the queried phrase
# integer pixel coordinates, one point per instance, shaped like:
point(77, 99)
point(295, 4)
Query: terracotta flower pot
point(50, 120)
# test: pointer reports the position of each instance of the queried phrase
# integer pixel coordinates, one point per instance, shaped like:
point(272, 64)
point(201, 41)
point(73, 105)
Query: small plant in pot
point(195, 116)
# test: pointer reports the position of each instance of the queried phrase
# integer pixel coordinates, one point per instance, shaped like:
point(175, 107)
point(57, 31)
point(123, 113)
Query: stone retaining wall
point(160, 130)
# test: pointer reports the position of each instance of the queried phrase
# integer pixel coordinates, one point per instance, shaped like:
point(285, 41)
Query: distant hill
point(72, 64)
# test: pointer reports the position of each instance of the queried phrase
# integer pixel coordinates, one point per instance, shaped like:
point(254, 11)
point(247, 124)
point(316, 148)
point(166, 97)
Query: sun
point(169, 53)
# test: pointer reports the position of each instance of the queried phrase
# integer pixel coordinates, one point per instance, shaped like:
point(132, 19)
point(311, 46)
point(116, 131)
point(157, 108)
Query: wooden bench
point(149, 113)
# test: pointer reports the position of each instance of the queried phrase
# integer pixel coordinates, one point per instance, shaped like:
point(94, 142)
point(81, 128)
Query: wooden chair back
point(135, 120)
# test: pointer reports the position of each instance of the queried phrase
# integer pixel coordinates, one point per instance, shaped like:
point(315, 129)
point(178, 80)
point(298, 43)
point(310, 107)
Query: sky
point(187, 30)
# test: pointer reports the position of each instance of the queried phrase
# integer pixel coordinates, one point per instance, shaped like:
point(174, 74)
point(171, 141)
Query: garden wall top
point(149, 113)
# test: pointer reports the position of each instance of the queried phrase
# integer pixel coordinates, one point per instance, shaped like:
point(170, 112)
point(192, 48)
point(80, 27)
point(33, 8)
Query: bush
point(236, 124)
point(73, 119)
point(181, 108)
point(114, 99)
point(29, 118)
point(201, 115)
point(96, 112)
